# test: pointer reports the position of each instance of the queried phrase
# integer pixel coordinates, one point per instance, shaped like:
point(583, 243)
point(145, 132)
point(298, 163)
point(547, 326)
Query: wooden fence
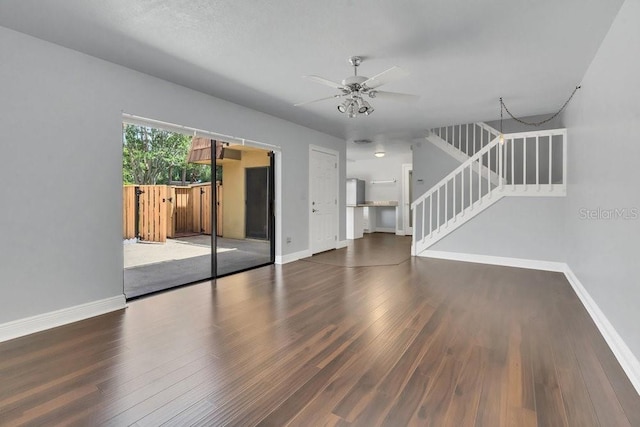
point(161, 211)
point(128, 212)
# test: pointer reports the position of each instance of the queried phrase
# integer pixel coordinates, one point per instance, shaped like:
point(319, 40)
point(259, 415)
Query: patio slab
point(145, 253)
point(152, 267)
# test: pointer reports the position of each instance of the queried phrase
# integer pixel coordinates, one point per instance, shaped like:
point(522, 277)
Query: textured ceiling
point(462, 55)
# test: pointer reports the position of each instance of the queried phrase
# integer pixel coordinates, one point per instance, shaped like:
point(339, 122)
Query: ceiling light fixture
point(379, 153)
point(362, 107)
point(355, 88)
point(351, 110)
point(343, 107)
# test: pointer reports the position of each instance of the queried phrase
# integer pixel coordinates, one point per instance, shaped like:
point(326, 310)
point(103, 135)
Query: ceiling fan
point(355, 88)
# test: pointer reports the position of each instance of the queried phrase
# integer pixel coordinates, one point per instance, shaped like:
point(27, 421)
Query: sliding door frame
point(274, 188)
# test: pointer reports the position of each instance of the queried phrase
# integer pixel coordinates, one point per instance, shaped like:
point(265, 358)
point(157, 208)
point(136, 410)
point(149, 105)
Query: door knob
point(313, 210)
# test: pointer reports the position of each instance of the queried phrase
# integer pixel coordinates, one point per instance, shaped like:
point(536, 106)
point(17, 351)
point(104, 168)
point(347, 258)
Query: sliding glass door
point(184, 195)
point(167, 199)
point(245, 238)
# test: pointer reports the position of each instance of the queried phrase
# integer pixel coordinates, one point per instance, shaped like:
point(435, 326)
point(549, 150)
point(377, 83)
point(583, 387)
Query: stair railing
point(467, 138)
point(525, 164)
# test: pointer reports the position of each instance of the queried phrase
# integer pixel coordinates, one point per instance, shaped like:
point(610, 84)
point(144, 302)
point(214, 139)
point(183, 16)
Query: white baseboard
point(400, 233)
point(496, 260)
point(385, 230)
point(41, 322)
point(285, 259)
point(629, 362)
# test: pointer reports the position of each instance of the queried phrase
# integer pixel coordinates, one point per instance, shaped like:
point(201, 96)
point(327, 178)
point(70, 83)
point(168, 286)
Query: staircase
point(527, 164)
point(463, 141)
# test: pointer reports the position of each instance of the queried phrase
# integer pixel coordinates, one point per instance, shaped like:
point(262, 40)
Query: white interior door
point(407, 196)
point(323, 198)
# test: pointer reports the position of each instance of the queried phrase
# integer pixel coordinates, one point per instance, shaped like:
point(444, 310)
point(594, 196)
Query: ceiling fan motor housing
point(354, 82)
point(355, 60)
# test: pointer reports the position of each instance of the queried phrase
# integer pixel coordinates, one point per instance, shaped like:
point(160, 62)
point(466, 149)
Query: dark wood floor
point(375, 249)
point(424, 342)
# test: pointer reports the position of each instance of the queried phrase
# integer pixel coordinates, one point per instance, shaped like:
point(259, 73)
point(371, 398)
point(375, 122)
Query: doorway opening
point(186, 195)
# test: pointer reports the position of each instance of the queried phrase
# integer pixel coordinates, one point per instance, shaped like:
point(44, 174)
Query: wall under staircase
point(527, 165)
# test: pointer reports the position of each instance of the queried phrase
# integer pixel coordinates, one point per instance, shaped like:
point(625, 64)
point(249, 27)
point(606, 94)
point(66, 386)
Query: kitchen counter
point(361, 218)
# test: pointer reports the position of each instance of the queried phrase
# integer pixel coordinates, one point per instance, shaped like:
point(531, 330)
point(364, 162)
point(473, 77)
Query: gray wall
point(430, 165)
point(61, 198)
point(603, 122)
point(515, 227)
point(512, 126)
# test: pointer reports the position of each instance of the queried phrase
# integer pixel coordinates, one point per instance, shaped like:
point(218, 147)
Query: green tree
point(155, 156)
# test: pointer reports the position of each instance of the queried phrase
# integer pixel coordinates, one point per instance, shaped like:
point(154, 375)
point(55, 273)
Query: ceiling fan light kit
point(355, 88)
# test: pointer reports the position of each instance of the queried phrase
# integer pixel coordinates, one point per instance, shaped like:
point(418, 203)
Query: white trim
point(187, 130)
point(530, 190)
point(332, 152)
point(462, 218)
point(459, 156)
point(401, 233)
point(285, 259)
point(496, 260)
point(277, 150)
point(278, 233)
point(447, 148)
point(295, 256)
point(385, 230)
point(628, 361)
point(530, 134)
point(488, 128)
point(52, 319)
point(406, 203)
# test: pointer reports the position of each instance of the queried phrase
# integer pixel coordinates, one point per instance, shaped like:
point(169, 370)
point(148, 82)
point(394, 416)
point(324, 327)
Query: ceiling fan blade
point(396, 96)
point(384, 77)
point(316, 100)
point(323, 81)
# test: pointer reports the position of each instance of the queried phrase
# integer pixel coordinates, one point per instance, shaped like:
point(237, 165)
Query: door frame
point(275, 184)
point(406, 203)
point(269, 206)
point(337, 193)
